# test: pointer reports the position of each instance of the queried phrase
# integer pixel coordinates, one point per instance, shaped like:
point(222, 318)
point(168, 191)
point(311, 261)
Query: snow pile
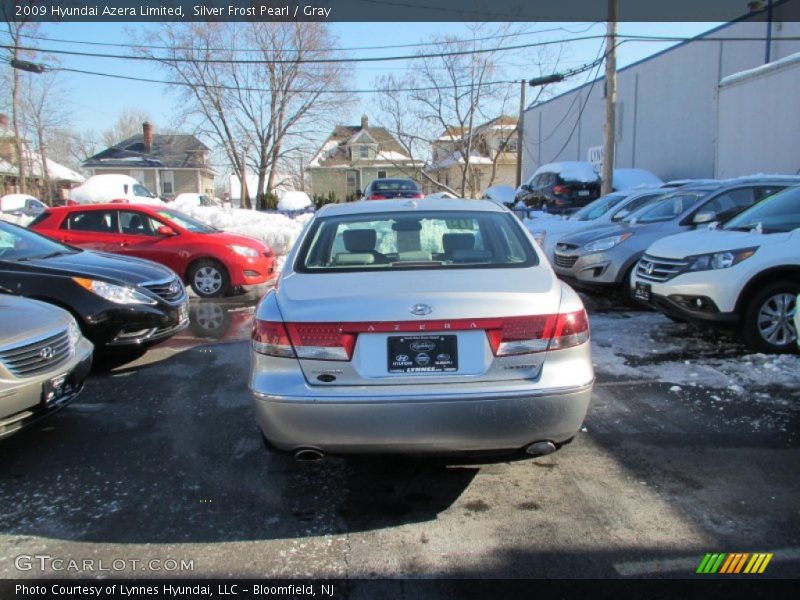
point(761, 69)
point(570, 170)
point(504, 194)
point(626, 179)
point(291, 201)
point(278, 231)
point(16, 219)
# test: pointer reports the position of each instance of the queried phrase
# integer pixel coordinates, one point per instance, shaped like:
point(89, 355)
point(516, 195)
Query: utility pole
point(244, 201)
point(611, 100)
point(522, 86)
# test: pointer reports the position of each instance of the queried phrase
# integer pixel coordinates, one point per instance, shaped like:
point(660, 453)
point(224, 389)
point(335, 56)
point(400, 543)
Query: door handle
point(123, 244)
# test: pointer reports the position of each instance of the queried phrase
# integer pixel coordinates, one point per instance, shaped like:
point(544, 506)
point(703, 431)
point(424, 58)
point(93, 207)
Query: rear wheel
point(209, 279)
point(767, 321)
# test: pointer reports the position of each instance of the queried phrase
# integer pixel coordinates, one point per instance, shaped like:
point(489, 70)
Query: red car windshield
point(184, 221)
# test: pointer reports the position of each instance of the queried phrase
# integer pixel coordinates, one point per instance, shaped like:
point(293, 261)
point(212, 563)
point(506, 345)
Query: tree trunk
point(48, 187)
point(18, 144)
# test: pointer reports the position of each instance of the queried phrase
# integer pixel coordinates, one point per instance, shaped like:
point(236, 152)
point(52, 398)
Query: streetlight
point(26, 65)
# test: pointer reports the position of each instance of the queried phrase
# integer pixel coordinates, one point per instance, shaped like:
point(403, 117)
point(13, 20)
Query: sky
point(97, 101)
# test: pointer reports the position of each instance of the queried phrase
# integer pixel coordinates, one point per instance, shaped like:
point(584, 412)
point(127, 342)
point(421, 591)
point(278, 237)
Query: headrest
point(458, 241)
point(360, 240)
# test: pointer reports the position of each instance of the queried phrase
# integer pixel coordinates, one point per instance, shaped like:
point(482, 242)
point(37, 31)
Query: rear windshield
point(419, 240)
point(670, 207)
point(393, 185)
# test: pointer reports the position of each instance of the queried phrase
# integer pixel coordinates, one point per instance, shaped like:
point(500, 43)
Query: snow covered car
point(21, 204)
point(419, 327)
point(745, 273)
point(44, 361)
point(99, 189)
point(501, 194)
point(606, 210)
point(561, 187)
point(602, 258)
point(293, 202)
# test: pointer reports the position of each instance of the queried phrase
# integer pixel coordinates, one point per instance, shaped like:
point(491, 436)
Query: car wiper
point(51, 255)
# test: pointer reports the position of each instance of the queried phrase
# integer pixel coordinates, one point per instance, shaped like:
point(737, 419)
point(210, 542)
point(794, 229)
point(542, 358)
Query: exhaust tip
point(308, 455)
point(540, 448)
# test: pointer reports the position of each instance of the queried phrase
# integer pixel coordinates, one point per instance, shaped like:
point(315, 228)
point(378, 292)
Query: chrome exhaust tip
point(540, 448)
point(308, 455)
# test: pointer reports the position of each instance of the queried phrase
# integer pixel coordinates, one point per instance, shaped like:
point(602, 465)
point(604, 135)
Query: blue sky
point(97, 101)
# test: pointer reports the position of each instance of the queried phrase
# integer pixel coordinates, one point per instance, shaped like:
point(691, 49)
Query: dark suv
point(561, 187)
point(385, 189)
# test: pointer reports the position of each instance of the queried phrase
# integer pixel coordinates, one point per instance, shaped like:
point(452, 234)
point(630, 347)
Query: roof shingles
point(177, 151)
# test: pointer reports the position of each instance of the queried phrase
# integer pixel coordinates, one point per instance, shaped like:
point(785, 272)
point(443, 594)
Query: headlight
point(244, 251)
point(606, 243)
point(74, 333)
point(120, 294)
point(720, 260)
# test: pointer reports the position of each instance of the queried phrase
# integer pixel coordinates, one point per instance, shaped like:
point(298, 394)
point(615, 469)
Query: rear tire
point(209, 278)
point(767, 324)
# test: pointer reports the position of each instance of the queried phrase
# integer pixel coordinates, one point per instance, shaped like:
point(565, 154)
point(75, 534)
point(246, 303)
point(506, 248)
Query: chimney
point(364, 122)
point(147, 132)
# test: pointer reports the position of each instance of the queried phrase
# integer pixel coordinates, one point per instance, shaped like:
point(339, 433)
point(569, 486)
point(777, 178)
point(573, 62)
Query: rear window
point(419, 240)
point(394, 185)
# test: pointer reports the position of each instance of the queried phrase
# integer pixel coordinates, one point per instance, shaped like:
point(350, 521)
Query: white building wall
point(759, 121)
point(667, 106)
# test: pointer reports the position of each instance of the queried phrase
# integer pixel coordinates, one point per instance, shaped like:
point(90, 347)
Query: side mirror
point(706, 216)
point(165, 231)
point(622, 214)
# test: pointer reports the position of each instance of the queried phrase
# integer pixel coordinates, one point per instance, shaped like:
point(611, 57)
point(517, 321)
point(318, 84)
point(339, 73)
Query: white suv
point(745, 273)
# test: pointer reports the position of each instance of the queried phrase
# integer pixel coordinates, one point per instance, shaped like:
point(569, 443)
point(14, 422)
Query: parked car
point(118, 301)
point(606, 210)
point(44, 361)
point(501, 194)
point(209, 260)
point(561, 187)
point(604, 257)
point(124, 189)
point(419, 328)
point(21, 204)
point(385, 189)
point(745, 273)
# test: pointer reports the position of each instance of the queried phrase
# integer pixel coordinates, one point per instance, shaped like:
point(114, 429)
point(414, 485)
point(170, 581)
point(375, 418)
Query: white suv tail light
point(508, 336)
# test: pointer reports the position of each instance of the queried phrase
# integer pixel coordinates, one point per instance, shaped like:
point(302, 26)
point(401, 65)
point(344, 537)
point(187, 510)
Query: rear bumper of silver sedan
point(423, 424)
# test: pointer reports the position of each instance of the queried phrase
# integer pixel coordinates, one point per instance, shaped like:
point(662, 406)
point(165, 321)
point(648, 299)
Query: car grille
point(565, 262)
point(169, 290)
point(654, 268)
point(42, 355)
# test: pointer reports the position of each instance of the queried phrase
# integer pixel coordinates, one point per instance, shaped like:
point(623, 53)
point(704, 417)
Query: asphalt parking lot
point(690, 446)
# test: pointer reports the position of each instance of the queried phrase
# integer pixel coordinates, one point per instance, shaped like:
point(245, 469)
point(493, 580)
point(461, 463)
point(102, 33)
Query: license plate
point(642, 291)
point(423, 354)
point(56, 388)
point(583, 192)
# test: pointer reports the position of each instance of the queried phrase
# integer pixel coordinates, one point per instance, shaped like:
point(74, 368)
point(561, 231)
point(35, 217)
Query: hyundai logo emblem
point(421, 310)
point(174, 287)
point(47, 353)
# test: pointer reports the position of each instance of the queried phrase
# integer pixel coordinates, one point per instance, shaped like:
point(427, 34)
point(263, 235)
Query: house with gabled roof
point(353, 156)
point(167, 164)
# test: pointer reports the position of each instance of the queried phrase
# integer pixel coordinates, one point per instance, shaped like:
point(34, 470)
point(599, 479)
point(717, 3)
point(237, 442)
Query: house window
point(363, 151)
point(352, 182)
point(381, 174)
point(167, 182)
point(511, 145)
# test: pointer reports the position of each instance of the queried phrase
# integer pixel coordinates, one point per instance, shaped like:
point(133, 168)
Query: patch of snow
point(676, 389)
point(625, 179)
point(328, 149)
point(504, 194)
point(291, 201)
point(761, 69)
point(570, 170)
point(391, 155)
point(278, 231)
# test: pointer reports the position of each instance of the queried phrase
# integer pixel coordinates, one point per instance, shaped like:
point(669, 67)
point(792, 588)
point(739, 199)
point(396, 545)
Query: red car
point(209, 260)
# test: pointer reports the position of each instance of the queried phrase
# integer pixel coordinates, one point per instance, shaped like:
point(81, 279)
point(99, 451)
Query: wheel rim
point(210, 318)
point(775, 319)
point(208, 280)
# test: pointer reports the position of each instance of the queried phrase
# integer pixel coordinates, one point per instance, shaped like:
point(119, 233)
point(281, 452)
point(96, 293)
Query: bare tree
point(272, 105)
point(128, 123)
point(455, 95)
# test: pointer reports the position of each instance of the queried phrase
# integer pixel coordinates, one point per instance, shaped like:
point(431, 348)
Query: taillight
point(572, 329)
point(527, 335)
point(321, 341)
point(270, 337)
point(562, 190)
point(377, 197)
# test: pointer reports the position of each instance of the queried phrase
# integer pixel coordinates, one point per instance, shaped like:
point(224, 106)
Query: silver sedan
point(44, 360)
point(430, 326)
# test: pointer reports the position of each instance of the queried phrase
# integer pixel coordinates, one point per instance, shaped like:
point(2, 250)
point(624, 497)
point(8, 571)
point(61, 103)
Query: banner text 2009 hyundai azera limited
point(430, 326)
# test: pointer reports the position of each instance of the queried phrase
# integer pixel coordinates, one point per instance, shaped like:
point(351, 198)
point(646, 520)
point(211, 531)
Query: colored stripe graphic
point(734, 563)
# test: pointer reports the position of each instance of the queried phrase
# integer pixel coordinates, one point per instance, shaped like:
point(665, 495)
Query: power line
point(387, 47)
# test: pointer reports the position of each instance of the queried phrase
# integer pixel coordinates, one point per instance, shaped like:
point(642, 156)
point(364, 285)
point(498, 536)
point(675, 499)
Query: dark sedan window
point(99, 221)
point(18, 243)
